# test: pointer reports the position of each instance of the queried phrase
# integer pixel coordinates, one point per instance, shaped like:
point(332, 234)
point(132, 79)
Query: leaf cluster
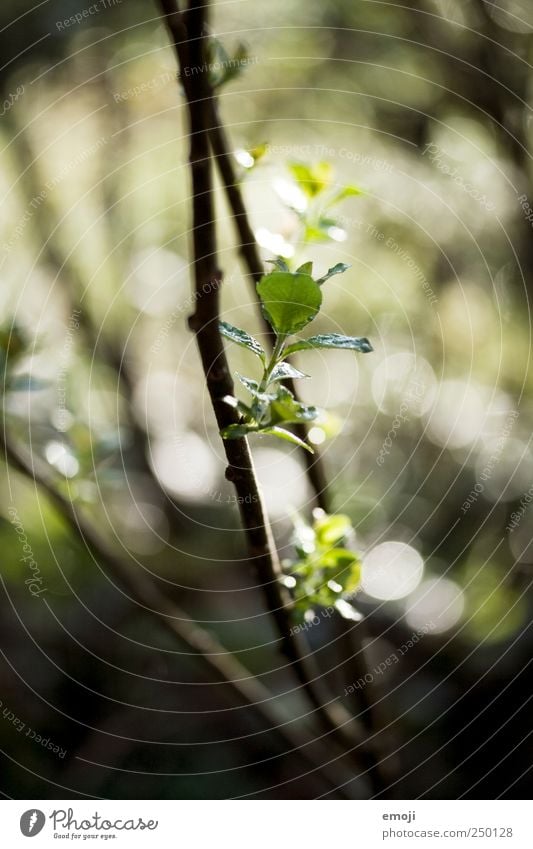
point(316, 212)
point(290, 301)
point(326, 571)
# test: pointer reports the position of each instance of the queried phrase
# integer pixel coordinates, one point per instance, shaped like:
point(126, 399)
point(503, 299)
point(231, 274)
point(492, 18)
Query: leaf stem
point(275, 357)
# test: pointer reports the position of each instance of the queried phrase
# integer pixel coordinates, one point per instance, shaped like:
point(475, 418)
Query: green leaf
point(285, 408)
point(347, 565)
point(281, 433)
point(242, 338)
point(237, 431)
point(248, 159)
point(258, 151)
point(235, 65)
point(253, 387)
point(290, 301)
point(353, 579)
point(216, 54)
point(304, 568)
point(340, 268)
point(315, 234)
point(330, 530)
point(285, 370)
point(312, 179)
point(332, 340)
point(346, 192)
point(339, 559)
point(306, 268)
point(325, 223)
point(222, 67)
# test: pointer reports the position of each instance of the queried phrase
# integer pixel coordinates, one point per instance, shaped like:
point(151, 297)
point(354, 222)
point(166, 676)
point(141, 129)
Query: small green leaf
point(216, 55)
point(306, 268)
point(283, 371)
point(236, 63)
point(346, 192)
point(290, 301)
point(281, 433)
point(338, 558)
point(305, 568)
point(330, 530)
point(347, 564)
point(258, 151)
point(253, 387)
point(332, 340)
point(223, 68)
point(248, 159)
point(314, 234)
point(340, 268)
point(353, 580)
point(325, 223)
point(312, 179)
point(242, 338)
point(285, 408)
point(237, 431)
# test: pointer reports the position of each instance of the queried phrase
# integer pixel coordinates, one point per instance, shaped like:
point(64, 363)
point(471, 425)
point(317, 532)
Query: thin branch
point(188, 41)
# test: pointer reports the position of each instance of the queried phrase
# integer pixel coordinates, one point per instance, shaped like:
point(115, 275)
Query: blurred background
point(427, 441)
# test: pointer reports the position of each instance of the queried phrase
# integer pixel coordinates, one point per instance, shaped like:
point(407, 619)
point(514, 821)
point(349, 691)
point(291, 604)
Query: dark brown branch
point(332, 715)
